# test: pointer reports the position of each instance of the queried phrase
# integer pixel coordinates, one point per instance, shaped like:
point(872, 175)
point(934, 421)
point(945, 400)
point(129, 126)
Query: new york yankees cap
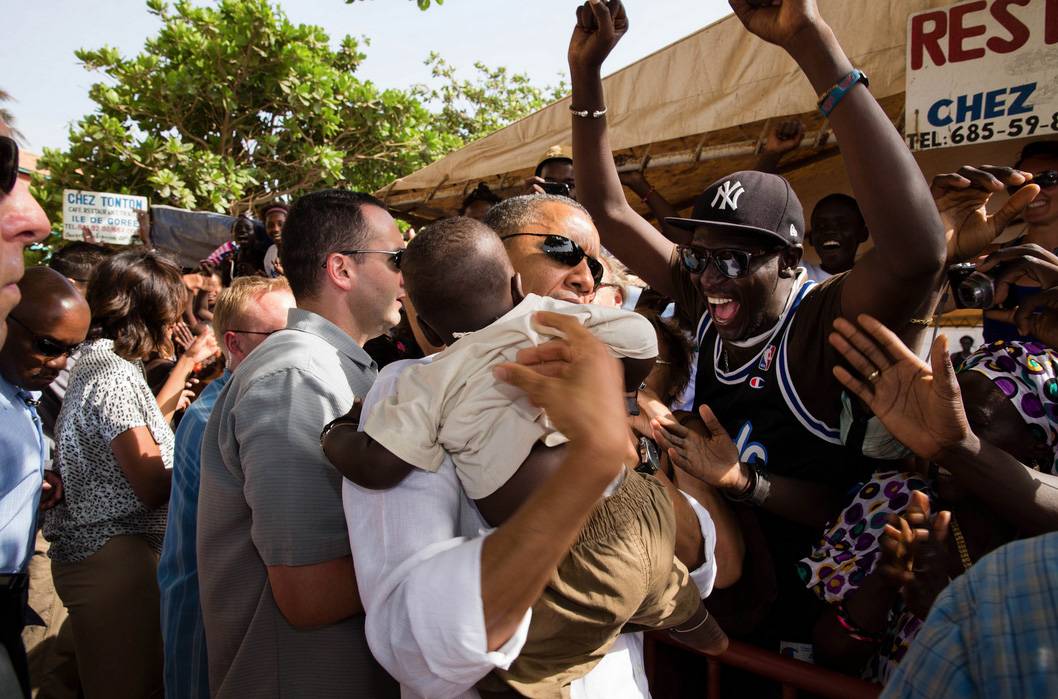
point(748, 201)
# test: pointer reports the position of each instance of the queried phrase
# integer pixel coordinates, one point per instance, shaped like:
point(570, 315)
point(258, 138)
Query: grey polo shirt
point(269, 497)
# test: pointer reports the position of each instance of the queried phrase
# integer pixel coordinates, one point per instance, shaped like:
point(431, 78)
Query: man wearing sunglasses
point(42, 331)
point(276, 579)
point(764, 386)
point(1032, 187)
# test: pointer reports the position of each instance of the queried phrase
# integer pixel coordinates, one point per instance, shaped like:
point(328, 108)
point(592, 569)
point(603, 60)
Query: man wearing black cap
point(764, 384)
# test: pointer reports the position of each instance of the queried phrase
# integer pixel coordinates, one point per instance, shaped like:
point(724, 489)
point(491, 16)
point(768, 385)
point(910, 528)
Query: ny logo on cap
point(793, 232)
point(728, 194)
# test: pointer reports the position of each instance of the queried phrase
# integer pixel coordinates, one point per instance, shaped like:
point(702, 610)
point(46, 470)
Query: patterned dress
point(107, 396)
point(848, 552)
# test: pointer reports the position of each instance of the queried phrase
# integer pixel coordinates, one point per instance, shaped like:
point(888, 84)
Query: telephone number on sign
point(982, 131)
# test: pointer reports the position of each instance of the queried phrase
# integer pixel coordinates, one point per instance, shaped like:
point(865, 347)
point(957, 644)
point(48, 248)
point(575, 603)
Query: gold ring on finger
point(873, 376)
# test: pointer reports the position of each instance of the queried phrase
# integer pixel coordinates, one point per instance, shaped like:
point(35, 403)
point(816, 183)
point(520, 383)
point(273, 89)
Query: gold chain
point(960, 544)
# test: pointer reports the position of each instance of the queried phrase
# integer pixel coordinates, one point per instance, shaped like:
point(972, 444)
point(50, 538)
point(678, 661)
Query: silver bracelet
point(758, 490)
point(587, 112)
point(695, 627)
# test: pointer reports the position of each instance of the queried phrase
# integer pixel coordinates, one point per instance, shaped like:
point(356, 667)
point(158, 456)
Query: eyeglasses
point(395, 255)
point(8, 164)
point(255, 332)
point(562, 249)
point(45, 345)
point(1045, 179)
point(730, 263)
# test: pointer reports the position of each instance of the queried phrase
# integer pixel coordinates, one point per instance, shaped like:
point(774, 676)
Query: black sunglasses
point(45, 345)
point(730, 263)
point(394, 255)
point(562, 249)
point(8, 164)
point(1045, 179)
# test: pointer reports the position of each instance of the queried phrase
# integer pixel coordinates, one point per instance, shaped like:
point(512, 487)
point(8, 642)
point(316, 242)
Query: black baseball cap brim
point(692, 224)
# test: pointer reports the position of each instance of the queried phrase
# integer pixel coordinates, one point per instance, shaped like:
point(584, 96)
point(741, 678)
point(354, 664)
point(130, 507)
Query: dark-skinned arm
point(900, 278)
point(1019, 494)
point(623, 231)
point(361, 459)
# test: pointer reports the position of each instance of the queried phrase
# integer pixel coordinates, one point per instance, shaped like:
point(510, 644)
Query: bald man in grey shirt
point(282, 613)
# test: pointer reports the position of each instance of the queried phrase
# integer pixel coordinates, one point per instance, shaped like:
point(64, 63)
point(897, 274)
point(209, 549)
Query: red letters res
point(956, 25)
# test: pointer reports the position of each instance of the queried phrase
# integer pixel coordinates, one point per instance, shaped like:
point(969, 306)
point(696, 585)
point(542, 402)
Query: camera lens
point(977, 291)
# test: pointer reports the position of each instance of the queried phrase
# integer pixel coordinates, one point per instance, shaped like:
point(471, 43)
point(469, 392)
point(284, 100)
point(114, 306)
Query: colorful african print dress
point(849, 552)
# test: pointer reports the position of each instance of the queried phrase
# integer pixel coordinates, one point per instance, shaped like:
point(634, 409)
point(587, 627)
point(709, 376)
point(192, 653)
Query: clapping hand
point(914, 554)
point(919, 405)
point(962, 200)
point(600, 25)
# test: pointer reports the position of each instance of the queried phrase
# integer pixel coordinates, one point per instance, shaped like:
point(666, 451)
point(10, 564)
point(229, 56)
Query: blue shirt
point(186, 664)
point(21, 474)
point(992, 633)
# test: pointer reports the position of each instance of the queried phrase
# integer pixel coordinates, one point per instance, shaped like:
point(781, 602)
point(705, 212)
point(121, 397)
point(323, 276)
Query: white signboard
point(980, 71)
point(111, 217)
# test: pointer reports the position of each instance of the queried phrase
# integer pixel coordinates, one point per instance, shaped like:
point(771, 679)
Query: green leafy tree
point(471, 109)
point(232, 106)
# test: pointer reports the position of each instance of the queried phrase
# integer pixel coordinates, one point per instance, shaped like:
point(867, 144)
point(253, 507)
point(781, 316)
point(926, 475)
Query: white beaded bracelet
point(587, 112)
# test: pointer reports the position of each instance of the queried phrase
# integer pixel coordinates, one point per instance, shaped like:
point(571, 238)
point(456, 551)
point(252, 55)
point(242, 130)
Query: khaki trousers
point(113, 601)
point(52, 664)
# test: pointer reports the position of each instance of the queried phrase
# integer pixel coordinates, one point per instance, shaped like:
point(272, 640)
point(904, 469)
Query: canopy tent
point(695, 111)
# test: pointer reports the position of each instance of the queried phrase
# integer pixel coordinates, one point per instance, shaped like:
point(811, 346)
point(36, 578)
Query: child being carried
point(621, 574)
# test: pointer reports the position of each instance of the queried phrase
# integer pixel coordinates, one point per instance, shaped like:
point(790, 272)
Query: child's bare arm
point(361, 459)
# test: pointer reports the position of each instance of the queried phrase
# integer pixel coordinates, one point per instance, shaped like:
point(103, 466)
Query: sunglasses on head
point(8, 164)
point(394, 255)
point(45, 345)
point(1045, 179)
point(561, 249)
point(729, 262)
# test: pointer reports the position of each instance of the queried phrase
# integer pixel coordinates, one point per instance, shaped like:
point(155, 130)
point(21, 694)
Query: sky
point(50, 87)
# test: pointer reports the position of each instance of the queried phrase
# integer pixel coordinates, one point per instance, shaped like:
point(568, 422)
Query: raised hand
point(962, 200)
point(600, 25)
point(704, 450)
point(778, 22)
point(784, 137)
point(182, 336)
point(203, 347)
point(920, 406)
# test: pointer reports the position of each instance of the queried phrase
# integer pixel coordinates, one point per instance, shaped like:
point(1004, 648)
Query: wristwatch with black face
point(649, 460)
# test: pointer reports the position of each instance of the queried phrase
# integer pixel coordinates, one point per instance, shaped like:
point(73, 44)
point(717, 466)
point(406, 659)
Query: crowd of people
point(487, 457)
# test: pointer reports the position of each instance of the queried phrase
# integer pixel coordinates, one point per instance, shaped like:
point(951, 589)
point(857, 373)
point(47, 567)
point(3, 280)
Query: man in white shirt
point(447, 601)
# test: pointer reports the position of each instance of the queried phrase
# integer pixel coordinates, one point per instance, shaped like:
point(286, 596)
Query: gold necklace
point(960, 544)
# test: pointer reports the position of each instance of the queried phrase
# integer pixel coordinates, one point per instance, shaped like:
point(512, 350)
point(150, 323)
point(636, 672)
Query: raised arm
point(901, 275)
point(600, 25)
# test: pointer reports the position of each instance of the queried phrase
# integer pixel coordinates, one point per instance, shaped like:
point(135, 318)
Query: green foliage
point(471, 109)
point(232, 105)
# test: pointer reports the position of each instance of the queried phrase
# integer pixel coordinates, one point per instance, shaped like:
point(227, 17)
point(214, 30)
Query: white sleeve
point(420, 580)
point(705, 576)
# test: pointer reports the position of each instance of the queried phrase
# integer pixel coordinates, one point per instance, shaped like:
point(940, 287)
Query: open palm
point(919, 405)
point(962, 200)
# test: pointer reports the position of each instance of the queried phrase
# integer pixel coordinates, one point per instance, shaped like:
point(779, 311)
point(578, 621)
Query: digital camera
point(971, 287)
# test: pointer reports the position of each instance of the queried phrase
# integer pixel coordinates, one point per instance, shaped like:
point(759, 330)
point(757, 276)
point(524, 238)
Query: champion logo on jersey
point(756, 382)
point(728, 195)
point(767, 358)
